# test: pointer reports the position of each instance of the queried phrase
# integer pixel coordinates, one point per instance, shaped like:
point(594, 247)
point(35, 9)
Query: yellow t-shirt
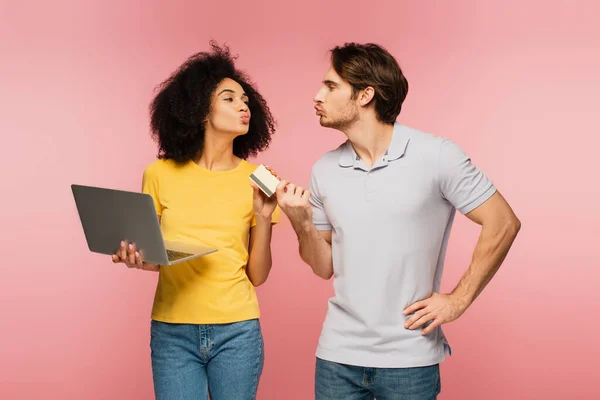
point(213, 208)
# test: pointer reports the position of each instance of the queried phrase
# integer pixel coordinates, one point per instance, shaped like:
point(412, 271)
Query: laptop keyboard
point(177, 255)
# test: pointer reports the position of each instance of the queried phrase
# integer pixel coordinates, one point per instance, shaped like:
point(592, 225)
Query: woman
point(205, 332)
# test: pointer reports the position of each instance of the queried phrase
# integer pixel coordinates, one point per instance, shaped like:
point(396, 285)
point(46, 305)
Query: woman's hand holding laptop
point(132, 258)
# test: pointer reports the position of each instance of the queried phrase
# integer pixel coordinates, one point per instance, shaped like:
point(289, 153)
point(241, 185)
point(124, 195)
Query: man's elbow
point(513, 225)
point(326, 274)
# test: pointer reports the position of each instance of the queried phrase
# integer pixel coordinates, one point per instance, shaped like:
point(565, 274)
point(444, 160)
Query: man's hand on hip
point(437, 308)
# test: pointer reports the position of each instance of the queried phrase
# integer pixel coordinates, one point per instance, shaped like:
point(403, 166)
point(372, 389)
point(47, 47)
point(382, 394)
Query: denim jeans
point(335, 381)
point(190, 361)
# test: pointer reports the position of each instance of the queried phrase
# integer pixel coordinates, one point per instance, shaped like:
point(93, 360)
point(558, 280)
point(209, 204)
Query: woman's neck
point(217, 153)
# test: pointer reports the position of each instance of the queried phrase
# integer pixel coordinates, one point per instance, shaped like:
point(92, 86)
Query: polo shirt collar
point(400, 139)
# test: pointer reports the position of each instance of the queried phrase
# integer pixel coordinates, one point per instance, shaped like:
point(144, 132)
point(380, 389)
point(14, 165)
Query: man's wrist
point(463, 299)
point(302, 226)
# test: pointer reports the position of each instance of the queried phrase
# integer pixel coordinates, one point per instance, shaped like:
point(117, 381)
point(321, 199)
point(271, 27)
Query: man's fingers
point(409, 322)
point(281, 187)
point(422, 321)
point(415, 306)
point(306, 195)
point(291, 195)
point(431, 327)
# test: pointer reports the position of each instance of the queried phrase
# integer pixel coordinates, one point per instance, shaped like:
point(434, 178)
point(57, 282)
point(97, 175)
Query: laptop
point(109, 216)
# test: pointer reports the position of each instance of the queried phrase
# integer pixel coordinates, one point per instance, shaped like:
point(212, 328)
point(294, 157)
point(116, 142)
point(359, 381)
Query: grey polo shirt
point(390, 226)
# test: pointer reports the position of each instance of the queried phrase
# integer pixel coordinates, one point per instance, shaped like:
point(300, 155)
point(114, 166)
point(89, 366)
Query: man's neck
point(370, 139)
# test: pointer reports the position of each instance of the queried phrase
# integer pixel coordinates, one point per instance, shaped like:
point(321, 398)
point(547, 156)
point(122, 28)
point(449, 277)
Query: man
point(377, 216)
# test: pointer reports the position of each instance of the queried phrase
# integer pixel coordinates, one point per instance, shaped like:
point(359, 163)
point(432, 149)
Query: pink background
point(515, 84)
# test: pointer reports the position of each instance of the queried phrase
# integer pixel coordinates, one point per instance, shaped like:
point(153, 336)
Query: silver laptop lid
point(109, 216)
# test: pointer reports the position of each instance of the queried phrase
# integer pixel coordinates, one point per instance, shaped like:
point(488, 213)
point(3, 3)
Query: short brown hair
point(364, 65)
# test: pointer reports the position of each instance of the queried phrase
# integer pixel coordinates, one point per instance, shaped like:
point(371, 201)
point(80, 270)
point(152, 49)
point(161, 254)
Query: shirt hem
point(370, 361)
point(323, 227)
point(224, 320)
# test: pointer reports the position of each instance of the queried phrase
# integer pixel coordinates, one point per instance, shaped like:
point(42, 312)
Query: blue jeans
point(335, 381)
point(190, 361)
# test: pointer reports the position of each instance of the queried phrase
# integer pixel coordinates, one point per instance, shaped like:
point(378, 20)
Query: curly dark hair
point(180, 108)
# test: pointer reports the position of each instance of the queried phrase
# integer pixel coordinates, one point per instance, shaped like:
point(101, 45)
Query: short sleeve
point(275, 217)
point(320, 219)
point(150, 186)
point(462, 183)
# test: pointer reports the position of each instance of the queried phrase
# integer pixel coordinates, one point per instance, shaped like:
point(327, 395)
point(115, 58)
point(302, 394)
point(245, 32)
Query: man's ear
point(365, 96)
